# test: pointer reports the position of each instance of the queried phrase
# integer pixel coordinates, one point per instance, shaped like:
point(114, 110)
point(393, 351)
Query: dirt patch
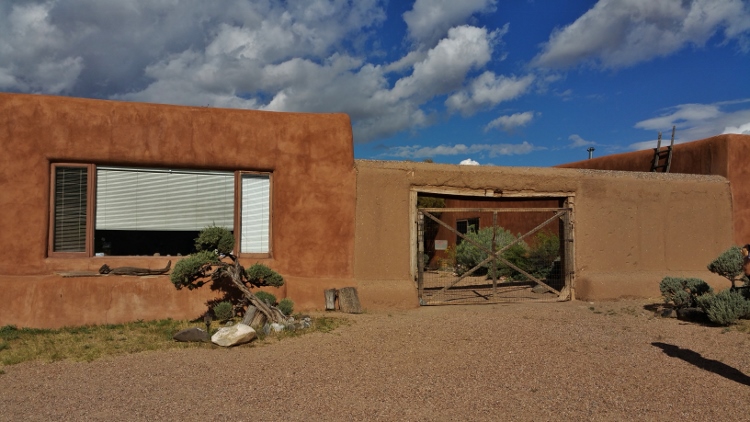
point(521, 361)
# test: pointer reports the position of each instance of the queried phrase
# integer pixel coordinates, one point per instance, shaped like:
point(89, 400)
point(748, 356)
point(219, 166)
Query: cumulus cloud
point(698, 121)
point(743, 129)
point(621, 33)
point(429, 20)
point(468, 162)
point(309, 56)
point(491, 150)
point(510, 122)
point(488, 90)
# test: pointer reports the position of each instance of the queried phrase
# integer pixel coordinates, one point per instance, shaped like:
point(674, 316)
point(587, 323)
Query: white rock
point(234, 335)
point(277, 327)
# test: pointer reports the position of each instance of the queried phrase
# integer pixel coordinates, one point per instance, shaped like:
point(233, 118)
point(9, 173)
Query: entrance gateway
point(478, 250)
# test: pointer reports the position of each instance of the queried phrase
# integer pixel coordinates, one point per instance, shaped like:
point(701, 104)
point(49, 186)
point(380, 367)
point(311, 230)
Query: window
point(256, 199)
point(466, 226)
point(70, 186)
point(149, 211)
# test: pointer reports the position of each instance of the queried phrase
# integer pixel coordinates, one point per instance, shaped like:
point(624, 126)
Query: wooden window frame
point(90, 209)
point(91, 213)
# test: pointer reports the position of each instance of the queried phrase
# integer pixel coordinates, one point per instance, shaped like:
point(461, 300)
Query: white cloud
point(488, 90)
point(621, 33)
point(446, 65)
point(577, 141)
point(512, 121)
point(308, 56)
point(468, 162)
point(743, 129)
point(491, 150)
point(429, 20)
point(697, 121)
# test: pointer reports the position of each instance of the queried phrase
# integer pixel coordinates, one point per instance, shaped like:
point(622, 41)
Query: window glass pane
point(141, 211)
point(256, 197)
point(71, 185)
point(163, 200)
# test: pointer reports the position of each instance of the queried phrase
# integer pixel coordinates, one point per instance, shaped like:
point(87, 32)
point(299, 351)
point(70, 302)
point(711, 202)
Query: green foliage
point(223, 311)
point(188, 271)
point(266, 297)
point(286, 306)
point(683, 292)
point(260, 275)
point(543, 254)
point(430, 202)
point(468, 255)
point(215, 238)
point(725, 307)
point(728, 264)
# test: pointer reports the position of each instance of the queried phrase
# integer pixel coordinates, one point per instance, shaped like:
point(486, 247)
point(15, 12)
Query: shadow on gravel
point(710, 365)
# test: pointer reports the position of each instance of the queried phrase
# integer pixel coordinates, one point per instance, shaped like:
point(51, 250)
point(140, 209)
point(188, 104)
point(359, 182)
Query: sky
point(488, 82)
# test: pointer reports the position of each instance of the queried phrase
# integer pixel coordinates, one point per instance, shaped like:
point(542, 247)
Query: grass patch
point(89, 343)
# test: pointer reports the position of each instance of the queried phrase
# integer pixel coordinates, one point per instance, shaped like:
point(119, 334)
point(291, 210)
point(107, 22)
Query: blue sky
point(519, 83)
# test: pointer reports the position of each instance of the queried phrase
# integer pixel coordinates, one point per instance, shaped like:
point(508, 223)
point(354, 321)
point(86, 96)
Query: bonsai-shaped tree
point(729, 266)
point(214, 261)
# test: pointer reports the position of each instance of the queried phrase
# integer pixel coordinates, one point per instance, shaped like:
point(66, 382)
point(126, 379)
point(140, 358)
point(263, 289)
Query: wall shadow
point(710, 365)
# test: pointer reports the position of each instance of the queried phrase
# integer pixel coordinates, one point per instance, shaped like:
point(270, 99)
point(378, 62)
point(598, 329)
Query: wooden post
point(330, 299)
point(349, 301)
point(259, 320)
point(249, 315)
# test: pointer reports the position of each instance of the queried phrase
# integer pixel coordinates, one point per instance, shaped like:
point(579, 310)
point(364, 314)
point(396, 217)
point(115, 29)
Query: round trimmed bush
point(286, 306)
point(266, 297)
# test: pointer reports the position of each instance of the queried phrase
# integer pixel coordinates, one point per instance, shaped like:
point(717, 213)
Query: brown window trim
point(90, 189)
point(91, 212)
point(238, 215)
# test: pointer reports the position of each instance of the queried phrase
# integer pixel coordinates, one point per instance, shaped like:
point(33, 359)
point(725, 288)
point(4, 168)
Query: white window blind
point(163, 200)
point(70, 209)
point(256, 202)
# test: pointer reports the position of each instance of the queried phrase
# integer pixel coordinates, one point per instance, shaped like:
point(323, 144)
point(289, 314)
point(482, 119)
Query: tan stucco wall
point(724, 155)
point(310, 155)
point(630, 229)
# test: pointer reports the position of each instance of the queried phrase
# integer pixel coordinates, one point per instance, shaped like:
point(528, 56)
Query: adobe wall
point(630, 229)
point(310, 155)
point(724, 155)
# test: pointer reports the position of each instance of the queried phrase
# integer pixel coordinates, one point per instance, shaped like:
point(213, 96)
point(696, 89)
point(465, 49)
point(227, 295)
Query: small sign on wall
point(441, 245)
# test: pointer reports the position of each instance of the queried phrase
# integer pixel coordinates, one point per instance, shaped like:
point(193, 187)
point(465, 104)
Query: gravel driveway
point(540, 362)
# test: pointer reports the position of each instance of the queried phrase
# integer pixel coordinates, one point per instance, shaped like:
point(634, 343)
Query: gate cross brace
point(494, 255)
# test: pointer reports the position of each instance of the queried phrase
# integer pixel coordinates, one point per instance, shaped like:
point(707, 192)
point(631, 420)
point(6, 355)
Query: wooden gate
point(490, 264)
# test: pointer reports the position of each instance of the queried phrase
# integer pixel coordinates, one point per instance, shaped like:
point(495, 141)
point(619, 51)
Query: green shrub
point(469, 255)
point(223, 311)
point(266, 297)
point(260, 275)
point(683, 292)
point(189, 269)
point(286, 306)
point(728, 264)
point(724, 308)
point(215, 238)
point(543, 254)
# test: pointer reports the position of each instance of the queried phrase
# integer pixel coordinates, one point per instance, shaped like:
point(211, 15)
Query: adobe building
point(88, 182)
point(723, 155)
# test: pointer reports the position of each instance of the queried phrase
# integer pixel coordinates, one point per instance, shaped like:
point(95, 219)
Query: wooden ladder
point(662, 158)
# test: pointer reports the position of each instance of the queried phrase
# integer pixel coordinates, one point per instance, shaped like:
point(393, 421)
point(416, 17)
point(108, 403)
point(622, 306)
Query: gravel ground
point(541, 362)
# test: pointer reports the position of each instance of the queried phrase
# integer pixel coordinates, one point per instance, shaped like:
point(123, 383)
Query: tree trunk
point(330, 299)
point(235, 274)
point(249, 315)
point(349, 301)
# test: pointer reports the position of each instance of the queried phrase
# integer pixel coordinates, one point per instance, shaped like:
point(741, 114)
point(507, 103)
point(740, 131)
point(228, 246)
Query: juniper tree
point(214, 261)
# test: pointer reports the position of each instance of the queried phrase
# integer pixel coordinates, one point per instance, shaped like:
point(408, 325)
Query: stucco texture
point(313, 187)
point(723, 155)
point(630, 229)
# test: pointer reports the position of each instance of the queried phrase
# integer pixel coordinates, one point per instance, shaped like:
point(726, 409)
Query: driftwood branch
point(236, 275)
